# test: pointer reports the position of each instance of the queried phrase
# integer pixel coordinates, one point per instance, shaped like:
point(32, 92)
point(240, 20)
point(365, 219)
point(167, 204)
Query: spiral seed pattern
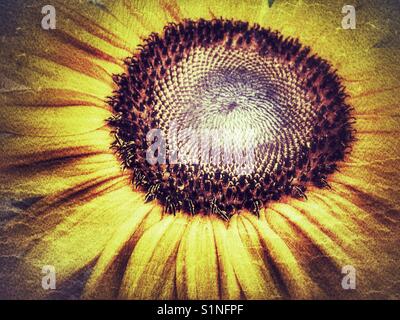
point(247, 115)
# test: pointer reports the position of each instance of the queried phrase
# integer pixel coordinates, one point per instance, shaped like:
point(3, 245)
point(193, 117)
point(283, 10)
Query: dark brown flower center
point(217, 116)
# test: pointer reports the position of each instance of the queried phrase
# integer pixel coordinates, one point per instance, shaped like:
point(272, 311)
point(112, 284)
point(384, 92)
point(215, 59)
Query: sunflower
point(67, 202)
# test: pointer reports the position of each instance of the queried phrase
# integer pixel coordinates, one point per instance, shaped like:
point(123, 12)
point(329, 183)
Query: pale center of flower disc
point(233, 117)
point(234, 110)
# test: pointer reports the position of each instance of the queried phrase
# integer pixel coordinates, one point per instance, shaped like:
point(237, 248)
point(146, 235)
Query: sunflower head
point(210, 116)
point(250, 115)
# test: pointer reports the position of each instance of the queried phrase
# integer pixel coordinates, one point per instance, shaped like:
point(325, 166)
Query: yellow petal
point(253, 279)
point(228, 284)
point(291, 278)
point(68, 235)
point(196, 262)
point(106, 277)
point(150, 273)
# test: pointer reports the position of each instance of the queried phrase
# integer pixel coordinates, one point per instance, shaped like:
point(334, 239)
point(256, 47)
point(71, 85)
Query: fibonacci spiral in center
point(218, 116)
